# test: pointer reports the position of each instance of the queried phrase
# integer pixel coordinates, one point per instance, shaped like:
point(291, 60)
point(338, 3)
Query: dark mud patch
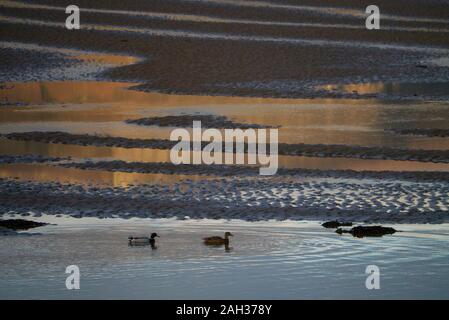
point(442, 133)
point(368, 231)
point(29, 158)
point(186, 121)
point(7, 232)
point(239, 170)
point(90, 140)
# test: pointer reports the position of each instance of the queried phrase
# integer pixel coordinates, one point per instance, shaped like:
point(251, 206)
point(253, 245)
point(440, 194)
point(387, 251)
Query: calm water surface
point(268, 260)
point(90, 107)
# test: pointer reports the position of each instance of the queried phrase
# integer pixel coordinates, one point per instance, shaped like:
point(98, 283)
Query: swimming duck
point(218, 240)
point(143, 240)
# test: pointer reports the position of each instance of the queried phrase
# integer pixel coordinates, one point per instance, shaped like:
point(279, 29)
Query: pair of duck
point(213, 241)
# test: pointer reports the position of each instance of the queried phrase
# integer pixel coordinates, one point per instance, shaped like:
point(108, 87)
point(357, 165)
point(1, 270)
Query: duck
point(218, 240)
point(135, 241)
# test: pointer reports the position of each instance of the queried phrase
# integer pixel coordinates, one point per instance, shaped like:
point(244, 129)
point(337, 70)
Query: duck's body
point(140, 240)
point(218, 240)
point(136, 241)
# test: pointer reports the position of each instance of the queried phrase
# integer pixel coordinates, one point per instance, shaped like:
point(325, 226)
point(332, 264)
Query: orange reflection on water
point(45, 173)
point(363, 88)
point(43, 92)
point(71, 92)
point(76, 151)
point(89, 107)
point(107, 59)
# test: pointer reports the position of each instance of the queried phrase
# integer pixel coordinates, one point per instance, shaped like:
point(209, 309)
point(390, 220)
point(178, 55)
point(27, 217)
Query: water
point(77, 105)
point(268, 260)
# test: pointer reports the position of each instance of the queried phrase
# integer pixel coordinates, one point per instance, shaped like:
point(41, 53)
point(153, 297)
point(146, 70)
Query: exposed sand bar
point(232, 37)
point(246, 199)
point(197, 18)
point(51, 63)
point(103, 107)
point(239, 49)
point(245, 171)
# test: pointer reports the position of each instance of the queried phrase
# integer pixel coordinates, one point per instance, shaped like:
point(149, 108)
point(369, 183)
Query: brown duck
point(215, 241)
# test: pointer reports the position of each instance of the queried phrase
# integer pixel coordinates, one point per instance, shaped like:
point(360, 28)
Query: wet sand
point(246, 59)
point(69, 105)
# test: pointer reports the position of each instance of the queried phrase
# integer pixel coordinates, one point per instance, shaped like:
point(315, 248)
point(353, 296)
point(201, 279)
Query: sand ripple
point(250, 200)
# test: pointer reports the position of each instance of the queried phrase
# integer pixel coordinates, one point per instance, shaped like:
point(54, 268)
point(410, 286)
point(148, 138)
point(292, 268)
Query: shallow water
point(45, 173)
point(92, 107)
point(77, 106)
point(268, 260)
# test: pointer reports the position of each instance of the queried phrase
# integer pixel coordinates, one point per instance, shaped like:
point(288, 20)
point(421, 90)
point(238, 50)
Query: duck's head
point(154, 235)
point(228, 234)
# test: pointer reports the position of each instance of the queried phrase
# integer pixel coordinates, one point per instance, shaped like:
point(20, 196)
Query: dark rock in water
point(367, 231)
point(20, 224)
point(422, 132)
point(336, 224)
